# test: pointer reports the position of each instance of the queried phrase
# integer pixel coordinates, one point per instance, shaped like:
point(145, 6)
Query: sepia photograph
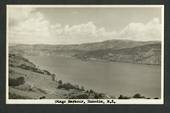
point(85, 54)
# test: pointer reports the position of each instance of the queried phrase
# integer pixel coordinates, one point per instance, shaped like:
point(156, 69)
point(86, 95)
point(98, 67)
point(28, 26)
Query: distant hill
point(145, 54)
point(111, 50)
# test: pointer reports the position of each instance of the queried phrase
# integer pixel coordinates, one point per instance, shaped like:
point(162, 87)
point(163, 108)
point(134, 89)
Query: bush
point(82, 88)
point(16, 82)
point(99, 96)
point(34, 69)
point(123, 97)
point(46, 72)
point(53, 77)
point(60, 82)
point(156, 98)
point(138, 96)
point(66, 86)
point(87, 91)
point(91, 91)
point(25, 67)
point(43, 97)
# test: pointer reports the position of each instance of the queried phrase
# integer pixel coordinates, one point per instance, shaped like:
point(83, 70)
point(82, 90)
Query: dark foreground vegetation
point(16, 81)
point(135, 96)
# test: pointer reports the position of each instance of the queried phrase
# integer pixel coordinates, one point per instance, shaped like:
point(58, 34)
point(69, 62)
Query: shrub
point(24, 66)
point(91, 91)
point(53, 77)
point(123, 97)
point(60, 82)
point(99, 96)
point(138, 96)
point(156, 98)
point(42, 97)
point(46, 72)
point(87, 91)
point(66, 86)
point(82, 88)
point(34, 69)
point(16, 82)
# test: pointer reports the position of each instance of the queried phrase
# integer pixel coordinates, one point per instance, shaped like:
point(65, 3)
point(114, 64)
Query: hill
point(145, 54)
point(111, 50)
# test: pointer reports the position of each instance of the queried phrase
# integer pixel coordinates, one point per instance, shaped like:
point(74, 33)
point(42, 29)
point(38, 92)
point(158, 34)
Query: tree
point(53, 77)
point(82, 88)
point(91, 91)
point(137, 95)
point(16, 81)
point(123, 97)
point(120, 97)
point(60, 82)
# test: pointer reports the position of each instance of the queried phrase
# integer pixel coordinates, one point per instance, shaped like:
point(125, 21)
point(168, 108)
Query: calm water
point(107, 77)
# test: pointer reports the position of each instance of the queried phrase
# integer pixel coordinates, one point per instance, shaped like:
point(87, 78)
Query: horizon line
point(84, 42)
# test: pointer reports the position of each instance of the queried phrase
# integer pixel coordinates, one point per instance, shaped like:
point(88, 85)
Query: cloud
point(82, 29)
point(17, 14)
point(142, 32)
point(26, 25)
point(32, 27)
point(82, 33)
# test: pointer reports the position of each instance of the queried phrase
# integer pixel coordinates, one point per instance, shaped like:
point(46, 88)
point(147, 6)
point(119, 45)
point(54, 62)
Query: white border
point(118, 101)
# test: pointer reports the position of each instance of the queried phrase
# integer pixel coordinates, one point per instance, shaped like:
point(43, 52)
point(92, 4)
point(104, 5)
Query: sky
point(75, 25)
